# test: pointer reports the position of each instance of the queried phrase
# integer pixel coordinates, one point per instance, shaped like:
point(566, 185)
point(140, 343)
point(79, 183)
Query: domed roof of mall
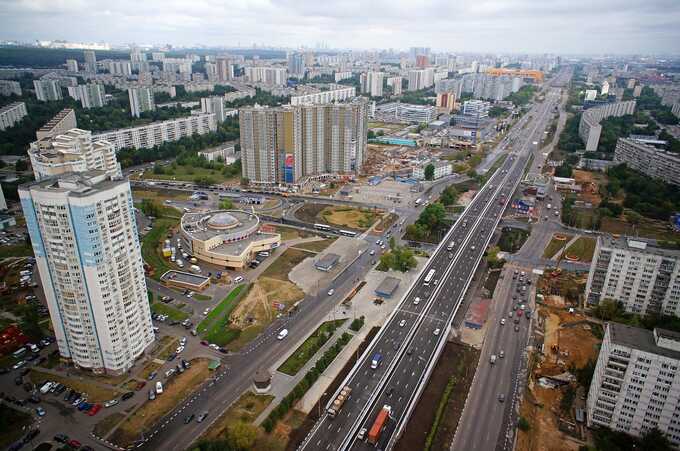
point(222, 221)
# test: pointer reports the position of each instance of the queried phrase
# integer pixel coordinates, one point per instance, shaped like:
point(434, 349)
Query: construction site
point(566, 347)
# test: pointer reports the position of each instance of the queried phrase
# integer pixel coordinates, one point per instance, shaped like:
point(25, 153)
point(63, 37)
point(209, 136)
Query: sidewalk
point(282, 383)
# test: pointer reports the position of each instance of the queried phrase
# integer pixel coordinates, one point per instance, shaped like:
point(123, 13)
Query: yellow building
point(226, 238)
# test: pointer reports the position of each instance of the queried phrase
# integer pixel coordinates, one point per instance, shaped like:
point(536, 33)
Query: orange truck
point(379, 424)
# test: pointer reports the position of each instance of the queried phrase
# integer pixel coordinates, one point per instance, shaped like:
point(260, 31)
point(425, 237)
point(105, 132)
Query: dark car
point(127, 396)
point(189, 419)
point(61, 438)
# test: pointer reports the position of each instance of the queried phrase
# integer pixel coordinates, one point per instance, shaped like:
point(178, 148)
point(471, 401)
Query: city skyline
point(633, 26)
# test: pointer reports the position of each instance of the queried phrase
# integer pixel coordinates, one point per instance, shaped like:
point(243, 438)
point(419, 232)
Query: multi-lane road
point(414, 335)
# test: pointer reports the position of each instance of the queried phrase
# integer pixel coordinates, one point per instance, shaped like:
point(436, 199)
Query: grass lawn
point(309, 347)
point(151, 244)
point(316, 246)
point(583, 248)
point(555, 245)
point(165, 309)
point(160, 195)
point(285, 263)
point(290, 233)
point(16, 250)
point(214, 327)
point(15, 421)
point(187, 173)
point(173, 391)
point(202, 297)
point(511, 240)
point(169, 348)
point(247, 408)
point(648, 228)
point(351, 217)
point(107, 423)
point(97, 392)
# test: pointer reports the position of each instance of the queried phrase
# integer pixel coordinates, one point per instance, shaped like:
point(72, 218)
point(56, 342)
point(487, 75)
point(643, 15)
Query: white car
point(179, 350)
point(436, 331)
point(206, 311)
point(372, 252)
point(502, 321)
point(238, 279)
point(213, 346)
point(416, 301)
point(111, 403)
point(330, 292)
point(402, 323)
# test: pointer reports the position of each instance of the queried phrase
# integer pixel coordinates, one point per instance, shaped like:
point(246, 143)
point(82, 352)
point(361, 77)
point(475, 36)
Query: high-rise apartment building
point(63, 121)
point(157, 56)
point(224, 69)
point(335, 93)
point(642, 277)
point(214, 104)
point(72, 65)
point(635, 386)
point(72, 151)
point(156, 133)
point(296, 64)
point(10, 88)
point(267, 75)
point(141, 100)
point(649, 160)
point(90, 61)
point(284, 144)
point(12, 114)
point(177, 65)
point(420, 79)
point(396, 84)
point(90, 96)
point(47, 90)
point(87, 252)
point(589, 127)
point(116, 67)
point(372, 83)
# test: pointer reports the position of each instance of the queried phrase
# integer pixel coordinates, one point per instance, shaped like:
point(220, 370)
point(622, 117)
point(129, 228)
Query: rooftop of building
point(11, 106)
point(204, 226)
point(636, 245)
point(643, 339)
point(56, 119)
point(77, 184)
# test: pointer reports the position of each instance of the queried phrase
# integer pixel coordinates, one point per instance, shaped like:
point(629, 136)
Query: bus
point(428, 277)
point(348, 233)
point(322, 227)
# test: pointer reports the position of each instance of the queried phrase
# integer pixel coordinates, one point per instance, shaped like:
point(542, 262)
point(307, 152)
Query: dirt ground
point(339, 216)
point(457, 360)
point(257, 308)
point(590, 186)
point(569, 340)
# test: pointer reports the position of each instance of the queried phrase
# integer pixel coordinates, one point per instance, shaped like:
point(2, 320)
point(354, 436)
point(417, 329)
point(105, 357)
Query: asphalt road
point(409, 342)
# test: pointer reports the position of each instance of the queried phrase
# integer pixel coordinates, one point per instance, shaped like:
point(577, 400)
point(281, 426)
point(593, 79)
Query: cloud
point(560, 26)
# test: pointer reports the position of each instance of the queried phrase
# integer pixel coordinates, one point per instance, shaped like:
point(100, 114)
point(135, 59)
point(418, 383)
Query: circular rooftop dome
point(222, 221)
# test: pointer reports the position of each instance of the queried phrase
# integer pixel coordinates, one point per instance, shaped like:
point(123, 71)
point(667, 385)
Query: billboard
point(288, 169)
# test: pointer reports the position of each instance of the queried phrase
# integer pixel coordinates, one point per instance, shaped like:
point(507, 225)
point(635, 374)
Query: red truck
point(379, 424)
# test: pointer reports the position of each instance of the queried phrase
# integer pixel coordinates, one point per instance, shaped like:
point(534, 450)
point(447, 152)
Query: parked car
point(127, 396)
point(111, 403)
point(94, 410)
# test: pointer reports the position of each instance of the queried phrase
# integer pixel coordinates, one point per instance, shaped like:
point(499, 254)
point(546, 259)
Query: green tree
point(242, 435)
point(150, 208)
point(449, 196)
point(158, 169)
point(523, 424)
point(226, 204)
point(429, 172)
point(608, 310)
point(21, 165)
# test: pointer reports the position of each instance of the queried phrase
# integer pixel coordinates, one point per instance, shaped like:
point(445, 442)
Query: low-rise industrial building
point(327, 262)
point(387, 287)
point(185, 280)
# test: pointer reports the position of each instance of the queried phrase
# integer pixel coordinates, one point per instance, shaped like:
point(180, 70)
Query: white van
point(196, 268)
point(159, 388)
point(238, 279)
point(45, 388)
point(283, 334)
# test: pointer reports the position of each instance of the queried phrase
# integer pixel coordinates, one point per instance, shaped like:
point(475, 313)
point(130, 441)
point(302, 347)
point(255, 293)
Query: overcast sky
point(562, 26)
